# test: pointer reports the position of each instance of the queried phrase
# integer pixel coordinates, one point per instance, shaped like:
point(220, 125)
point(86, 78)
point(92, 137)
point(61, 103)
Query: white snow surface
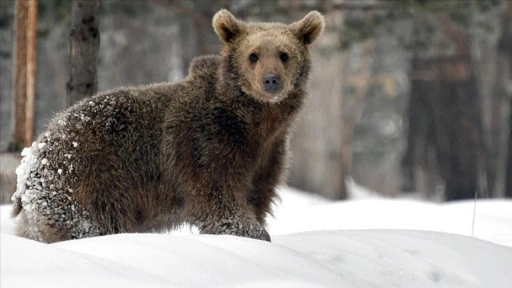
point(364, 242)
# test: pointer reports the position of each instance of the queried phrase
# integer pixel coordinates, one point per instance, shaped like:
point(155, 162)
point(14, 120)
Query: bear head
point(267, 60)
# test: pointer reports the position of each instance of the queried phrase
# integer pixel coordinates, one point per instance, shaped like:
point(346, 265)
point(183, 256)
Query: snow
point(27, 166)
point(364, 242)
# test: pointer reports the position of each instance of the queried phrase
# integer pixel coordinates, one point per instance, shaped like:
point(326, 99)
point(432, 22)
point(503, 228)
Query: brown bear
point(208, 150)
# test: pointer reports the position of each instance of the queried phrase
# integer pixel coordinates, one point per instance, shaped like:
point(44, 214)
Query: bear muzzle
point(272, 83)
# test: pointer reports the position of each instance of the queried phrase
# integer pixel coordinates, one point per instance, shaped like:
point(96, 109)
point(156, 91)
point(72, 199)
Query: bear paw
point(238, 227)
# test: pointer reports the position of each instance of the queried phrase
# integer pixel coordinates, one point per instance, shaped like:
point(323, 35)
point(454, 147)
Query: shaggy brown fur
point(208, 150)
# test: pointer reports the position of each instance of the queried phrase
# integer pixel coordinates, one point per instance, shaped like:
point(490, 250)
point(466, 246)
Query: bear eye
point(253, 58)
point(283, 56)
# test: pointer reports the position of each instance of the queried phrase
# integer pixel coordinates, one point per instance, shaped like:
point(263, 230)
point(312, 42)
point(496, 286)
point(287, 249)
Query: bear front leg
point(215, 212)
point(234, 223)
point(268, 175)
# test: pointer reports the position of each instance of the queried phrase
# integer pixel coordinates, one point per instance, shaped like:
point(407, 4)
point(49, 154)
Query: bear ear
point(227, 26)
point(309, 28)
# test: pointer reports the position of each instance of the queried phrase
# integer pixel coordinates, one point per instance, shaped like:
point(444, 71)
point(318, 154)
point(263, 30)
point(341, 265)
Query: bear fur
point(208, 150)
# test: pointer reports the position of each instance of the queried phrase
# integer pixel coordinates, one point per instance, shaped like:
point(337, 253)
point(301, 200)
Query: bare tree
point(24, 74)
point(498, 126)
point(505, 68)
point(84, 41)
point(508, 176)
point(445, 124)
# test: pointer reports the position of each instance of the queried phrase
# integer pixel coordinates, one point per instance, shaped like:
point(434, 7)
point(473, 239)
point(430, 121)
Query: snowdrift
point(358, 243)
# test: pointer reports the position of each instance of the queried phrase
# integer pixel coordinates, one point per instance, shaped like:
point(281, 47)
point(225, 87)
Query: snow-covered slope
point(493, 219)
point(357, 243)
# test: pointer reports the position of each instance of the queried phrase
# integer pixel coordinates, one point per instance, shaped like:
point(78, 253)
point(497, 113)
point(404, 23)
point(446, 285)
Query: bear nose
point(272, 82)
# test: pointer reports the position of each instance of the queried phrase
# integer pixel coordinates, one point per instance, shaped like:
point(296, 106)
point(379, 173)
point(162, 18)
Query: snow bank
point(367, 258)
point(382, 251)
point(493, 221)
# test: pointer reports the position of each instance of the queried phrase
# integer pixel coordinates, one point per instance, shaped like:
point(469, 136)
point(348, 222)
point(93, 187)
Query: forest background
point(406, 96)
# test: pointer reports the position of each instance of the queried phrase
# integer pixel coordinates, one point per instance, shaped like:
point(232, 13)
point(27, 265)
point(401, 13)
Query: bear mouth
point(272, 98)
point(276, 98)
point(265, 97)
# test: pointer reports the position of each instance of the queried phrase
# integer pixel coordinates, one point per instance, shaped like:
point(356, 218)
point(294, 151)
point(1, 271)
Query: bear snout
point(272, 82)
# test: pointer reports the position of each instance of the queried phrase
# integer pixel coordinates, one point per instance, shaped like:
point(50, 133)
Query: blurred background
point(407, 97)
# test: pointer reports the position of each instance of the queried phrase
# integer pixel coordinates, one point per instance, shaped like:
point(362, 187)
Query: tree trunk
point(359, 79)
point(508, 176)
point(445, 123)
point(460, 132)
point(24, 74)
point(419, 163)
point(196, 30)
point(497, 140)
point(505, 46)
point(84, 41)
point(318, 152)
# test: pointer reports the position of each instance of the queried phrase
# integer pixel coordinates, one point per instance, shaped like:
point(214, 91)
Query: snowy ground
point(365, 242)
